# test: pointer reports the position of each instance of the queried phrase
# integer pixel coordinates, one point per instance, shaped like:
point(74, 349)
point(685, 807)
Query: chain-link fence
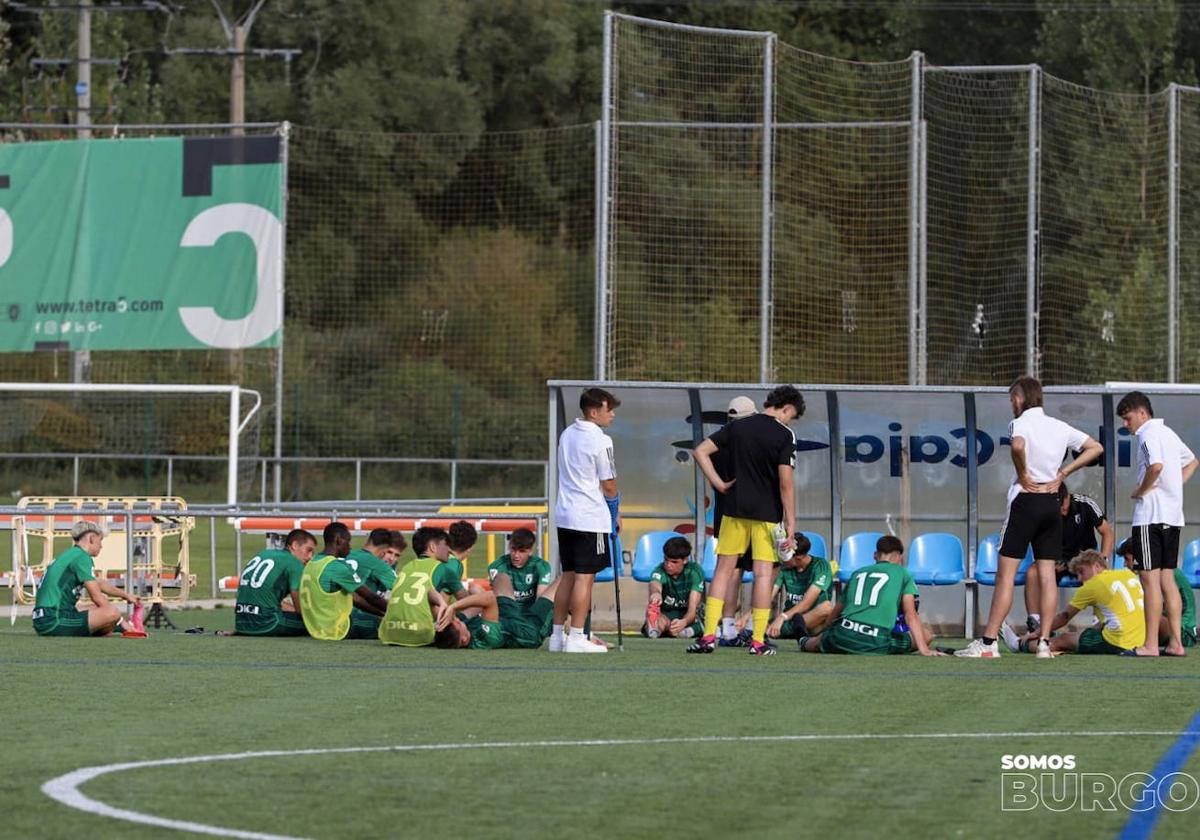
point(764, 213)
point(435, 282)
point(827, 220)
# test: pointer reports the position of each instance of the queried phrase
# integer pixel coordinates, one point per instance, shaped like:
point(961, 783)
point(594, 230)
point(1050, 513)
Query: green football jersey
point(268, 578)
point(338, 576)
point(485, 635)
point(62, 585)
point(377, 575)
point(874, 593)
point(457, 565)
point(675, 591)
point(796, 582)
point(445, 579)
point(525, 580)
point(1189, 600)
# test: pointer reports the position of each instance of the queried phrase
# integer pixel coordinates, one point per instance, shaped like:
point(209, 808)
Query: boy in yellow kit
point(1116, 597)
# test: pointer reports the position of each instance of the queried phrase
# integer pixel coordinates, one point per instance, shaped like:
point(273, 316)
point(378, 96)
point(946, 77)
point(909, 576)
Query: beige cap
point(740, 407)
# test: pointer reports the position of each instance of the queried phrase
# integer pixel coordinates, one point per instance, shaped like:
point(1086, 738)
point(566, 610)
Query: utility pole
point(237, 30)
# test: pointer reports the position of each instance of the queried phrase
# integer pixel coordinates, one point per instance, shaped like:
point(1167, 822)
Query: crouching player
point(1115, 595)
point(268, 596)
point(862, 622)
point(490, 620)
point(676, 590)
point(66, 580)
point(807, 586)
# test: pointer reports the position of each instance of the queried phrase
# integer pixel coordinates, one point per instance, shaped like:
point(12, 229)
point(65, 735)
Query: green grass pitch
point(71, 703)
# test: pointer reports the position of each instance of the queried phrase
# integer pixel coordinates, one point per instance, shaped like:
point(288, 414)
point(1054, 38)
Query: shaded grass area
point(72, 703)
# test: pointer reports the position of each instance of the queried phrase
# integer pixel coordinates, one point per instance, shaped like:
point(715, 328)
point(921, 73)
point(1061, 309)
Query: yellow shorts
point(739, 534)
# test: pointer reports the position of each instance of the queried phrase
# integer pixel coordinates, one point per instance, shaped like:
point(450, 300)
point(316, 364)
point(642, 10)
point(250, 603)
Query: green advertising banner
point(148, 244)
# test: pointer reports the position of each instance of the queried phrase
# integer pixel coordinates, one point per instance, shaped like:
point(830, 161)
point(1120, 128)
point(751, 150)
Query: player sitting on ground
point(862, 622)
point(1115, 596)
point(374, 571)
point(415, 609)
point(68, 576)
point(491, 620)
point(268, 595)
point(807, 584)
point(1186, 596)
point(329, 591)
point(528, 574)
point(461, 537)
point(676, 590)
point(432, 543)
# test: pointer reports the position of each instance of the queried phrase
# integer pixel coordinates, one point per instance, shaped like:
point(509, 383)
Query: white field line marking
point(65, 788)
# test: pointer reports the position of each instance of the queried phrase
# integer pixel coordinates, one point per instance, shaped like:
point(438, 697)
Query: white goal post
point(233, 393)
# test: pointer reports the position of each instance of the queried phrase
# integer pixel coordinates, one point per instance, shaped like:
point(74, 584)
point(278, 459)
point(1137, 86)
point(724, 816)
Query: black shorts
point(583, 552)
point(1155, 547)
point(1033, 518)
point(746, 561)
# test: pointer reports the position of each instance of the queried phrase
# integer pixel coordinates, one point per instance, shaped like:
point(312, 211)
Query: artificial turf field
point(72, 703)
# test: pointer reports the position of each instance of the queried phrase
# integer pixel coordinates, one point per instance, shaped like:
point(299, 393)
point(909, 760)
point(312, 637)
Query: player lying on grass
point(528, 575)
point(432, 543)
point(268, 595)
point(330, 590)
point(68, 577)
point(807, 586)
point(863, 621)
point(371, 564)
point(1186, 597)
point(676, 589)
point(1115, 595)
point(491, 620)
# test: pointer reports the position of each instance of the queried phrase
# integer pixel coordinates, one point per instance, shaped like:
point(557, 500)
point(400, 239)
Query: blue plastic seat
point(936, 559)
point(987, 562)
point(709, 562)
point(858, 550)
point(818, 545)
point(618, 561)
point(649, 553)
point(1191, 563)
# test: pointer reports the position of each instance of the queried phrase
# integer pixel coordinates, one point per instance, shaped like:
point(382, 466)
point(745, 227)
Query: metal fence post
point(1172, 232)
point(914, 221)
point(604, 199)
point(1033, 211)
point(765, 304)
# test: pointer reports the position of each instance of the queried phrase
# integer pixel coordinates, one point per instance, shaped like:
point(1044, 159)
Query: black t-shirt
point(1082, 519)
point(755, 447)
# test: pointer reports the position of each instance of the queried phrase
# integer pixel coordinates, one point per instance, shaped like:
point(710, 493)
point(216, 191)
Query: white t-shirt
point(1046, 443)
point(585, 458)
point(1163, 503)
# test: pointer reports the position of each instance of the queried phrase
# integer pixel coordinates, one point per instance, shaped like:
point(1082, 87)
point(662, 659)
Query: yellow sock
point(761, 619)
point(713, 607)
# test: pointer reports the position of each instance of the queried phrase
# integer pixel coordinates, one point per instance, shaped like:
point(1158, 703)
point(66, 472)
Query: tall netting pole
point(1031, 229)
point(604, 153)
point(915, 374)
point(1172, 232)
point(765, 373)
